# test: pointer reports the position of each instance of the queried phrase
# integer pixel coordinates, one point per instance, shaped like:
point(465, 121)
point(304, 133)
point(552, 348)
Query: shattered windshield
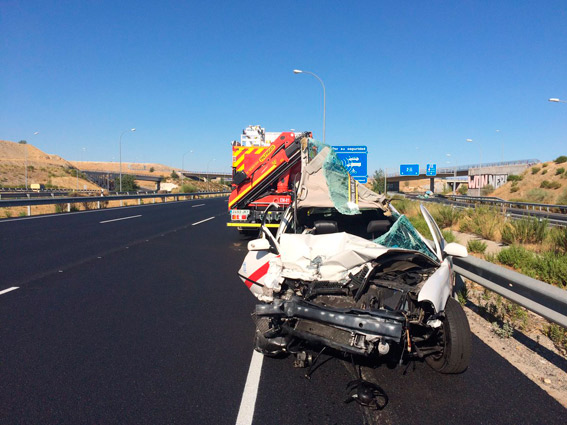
point(342, 187)
point(402, 234)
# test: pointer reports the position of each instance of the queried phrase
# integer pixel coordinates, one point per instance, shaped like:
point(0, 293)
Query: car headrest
point(325, 226)
point(378, 226)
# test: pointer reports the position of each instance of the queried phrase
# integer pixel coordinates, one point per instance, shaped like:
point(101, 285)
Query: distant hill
point(50, 170)
point(544, 183)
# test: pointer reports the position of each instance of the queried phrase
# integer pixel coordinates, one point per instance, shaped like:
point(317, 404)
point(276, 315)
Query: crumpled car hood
point(325, 257)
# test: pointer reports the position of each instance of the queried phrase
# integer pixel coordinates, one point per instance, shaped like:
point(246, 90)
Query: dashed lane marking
point(118, 219)
point(248, 402)
point(13, 288)
point(202, 221)
point(198, 205)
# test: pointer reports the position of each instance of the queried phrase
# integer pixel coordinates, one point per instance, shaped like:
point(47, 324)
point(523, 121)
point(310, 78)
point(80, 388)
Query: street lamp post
point(298, 71)
point(183, 163)
point(208, 185)
point(120, 146)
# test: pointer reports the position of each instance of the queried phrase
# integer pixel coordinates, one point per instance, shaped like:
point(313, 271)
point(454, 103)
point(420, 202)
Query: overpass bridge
point(476, 176)
point(109, 179)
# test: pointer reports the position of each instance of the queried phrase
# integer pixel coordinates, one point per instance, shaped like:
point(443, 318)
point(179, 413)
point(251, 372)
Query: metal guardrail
point(509, 204)
point(542, 298)
point(99, 199)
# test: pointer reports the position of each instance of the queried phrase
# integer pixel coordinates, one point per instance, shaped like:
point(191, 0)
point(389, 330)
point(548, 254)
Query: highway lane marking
point(13, 288)
point(118, 219)
point(248, 402)
point(202, 221)
point(198, 205)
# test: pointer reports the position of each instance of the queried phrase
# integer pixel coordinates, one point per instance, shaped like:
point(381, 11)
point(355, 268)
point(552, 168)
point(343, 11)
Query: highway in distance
point(136, 316)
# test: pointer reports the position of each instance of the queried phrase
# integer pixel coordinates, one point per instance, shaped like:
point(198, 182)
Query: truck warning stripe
point(240, 152)
point(254, 184)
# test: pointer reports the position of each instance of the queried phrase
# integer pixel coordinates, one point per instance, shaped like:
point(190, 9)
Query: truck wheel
point(454, 336)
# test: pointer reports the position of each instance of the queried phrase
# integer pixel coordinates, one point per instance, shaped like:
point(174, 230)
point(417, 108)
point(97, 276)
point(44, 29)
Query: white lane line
point(248, 402)
point(198, 205)
point(13, 288)
point(202, 221)
point(118, 219)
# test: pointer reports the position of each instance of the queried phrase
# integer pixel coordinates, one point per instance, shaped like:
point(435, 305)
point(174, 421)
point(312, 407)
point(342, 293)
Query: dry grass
point(529, 188)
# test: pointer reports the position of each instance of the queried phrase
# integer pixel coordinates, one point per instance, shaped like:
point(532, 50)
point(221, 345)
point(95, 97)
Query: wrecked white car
point(348, 272)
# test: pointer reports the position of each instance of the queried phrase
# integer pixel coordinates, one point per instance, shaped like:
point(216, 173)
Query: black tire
point(455, 338)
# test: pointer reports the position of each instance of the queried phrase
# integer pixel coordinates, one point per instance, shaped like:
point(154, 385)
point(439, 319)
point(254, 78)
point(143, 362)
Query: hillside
point(50, 170)
point(127, 167)
point(543, 183)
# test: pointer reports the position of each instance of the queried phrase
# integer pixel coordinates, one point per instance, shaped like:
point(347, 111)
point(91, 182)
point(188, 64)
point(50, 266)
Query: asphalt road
point(136, 316)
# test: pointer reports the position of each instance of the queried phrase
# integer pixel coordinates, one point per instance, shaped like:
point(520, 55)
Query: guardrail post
point(69, 207)
point(98, 205)
point(153, 200)
point(29, 210)
point(121, 203)
point(139, 201)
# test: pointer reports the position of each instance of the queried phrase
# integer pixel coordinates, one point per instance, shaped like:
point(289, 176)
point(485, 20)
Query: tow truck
point(263, 173)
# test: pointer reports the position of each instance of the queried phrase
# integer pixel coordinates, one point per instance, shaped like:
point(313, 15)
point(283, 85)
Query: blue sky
point(412, 80)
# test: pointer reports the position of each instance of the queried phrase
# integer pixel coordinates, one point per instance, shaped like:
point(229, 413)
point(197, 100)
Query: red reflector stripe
point(258, 274)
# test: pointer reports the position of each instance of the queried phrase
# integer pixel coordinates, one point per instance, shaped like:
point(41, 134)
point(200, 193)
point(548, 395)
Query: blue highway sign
point(431, 170)
point(409, 170)
point(354, 159)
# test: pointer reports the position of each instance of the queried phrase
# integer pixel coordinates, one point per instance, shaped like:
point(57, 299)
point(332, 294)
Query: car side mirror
point(262, 244)
point(455, 249)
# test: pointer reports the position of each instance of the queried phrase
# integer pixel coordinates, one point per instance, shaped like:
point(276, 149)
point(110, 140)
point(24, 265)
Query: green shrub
point(544, 172)
point(152, 169)
point(558, 335)
point(482, 220)
point(445, 215)
point(475, 245)
point(536, 195)
point(514, 256)
point(506, 331)
point(463, 189)
point(550, 267)
point(421, 225)
point(174, 175)
point(546, 184)
point(561, 159)
point(562, 199)
point(188, 188)
point(559, 171)
point(535, 170)
point(515, 178)
point(517, 313)
point(404, 206)
point(525, 230)
point(558, 236)
point(514, 189)
point(449, 236)
point(487, 190)
point(60, 208)
point(545, 164)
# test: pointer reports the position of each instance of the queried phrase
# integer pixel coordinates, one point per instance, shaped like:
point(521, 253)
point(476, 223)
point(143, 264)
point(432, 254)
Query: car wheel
point(454, 338)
